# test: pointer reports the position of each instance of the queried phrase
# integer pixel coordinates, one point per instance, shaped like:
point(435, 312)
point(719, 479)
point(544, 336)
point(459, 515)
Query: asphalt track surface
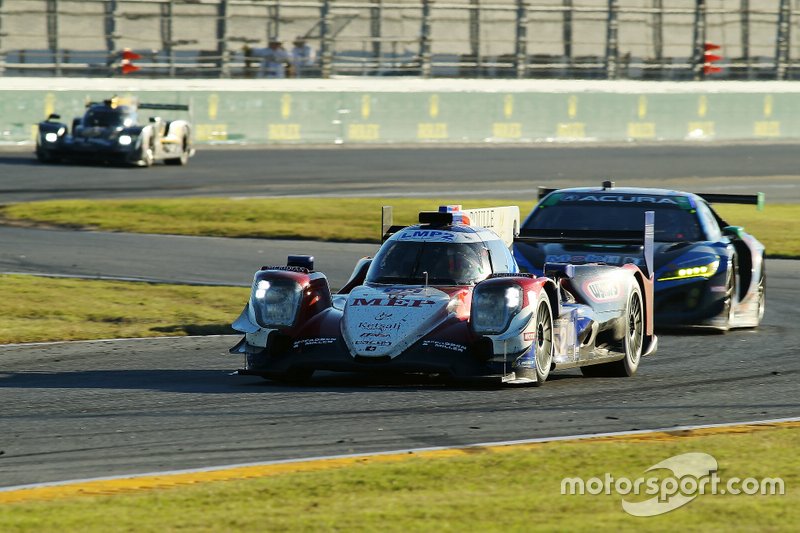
point(77, 410)
point(165, 258)
point(403, 171)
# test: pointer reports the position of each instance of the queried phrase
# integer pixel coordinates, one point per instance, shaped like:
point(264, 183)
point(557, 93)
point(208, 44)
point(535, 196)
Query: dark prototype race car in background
point(707, 272)
point(446, 297)
point(109, 132)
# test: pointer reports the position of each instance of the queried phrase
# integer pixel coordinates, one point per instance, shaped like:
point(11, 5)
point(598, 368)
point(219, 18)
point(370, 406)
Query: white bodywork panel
point(385, 321)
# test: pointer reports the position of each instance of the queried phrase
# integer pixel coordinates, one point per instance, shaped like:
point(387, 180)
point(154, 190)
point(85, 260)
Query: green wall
point(409, 117)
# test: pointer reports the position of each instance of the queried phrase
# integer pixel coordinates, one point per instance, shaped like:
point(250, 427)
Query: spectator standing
point(274, 59)
point(301, 57)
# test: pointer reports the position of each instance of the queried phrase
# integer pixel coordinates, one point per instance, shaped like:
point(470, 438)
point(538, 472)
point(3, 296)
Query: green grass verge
point(776, 227)
point(486, 491)
point(328, 219)
point(53, 309)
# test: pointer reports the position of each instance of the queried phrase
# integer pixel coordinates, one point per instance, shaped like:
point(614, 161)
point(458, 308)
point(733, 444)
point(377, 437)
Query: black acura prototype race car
point(109, 132)
point(708, 273)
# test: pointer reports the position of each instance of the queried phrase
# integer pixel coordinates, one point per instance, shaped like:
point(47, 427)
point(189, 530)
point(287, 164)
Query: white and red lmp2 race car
point(446, 297)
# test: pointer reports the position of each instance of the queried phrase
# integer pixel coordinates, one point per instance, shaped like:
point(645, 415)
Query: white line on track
point(405, 451)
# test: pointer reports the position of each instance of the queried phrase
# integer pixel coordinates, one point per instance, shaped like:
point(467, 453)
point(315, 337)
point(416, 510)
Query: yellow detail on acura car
point(698, 271)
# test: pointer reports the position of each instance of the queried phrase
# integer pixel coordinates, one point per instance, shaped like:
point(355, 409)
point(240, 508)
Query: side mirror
point(54, 116)
point(736, 232)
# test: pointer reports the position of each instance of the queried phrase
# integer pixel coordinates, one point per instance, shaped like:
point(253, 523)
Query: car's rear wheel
point(544, 341)
point(762, 291)
point(184, 157)
point(633, 342)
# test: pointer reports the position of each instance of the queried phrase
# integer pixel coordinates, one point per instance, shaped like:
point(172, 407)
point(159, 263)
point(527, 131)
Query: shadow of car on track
point(212, 381)
point(205, 381)
point(339, 381)
point(31, 161)
point(20, 161)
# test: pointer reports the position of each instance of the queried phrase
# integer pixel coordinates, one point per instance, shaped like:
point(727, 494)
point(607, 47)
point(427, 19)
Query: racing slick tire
point(730, 294)
point(45, 156)
point(147, 156)
point(632, 343)
point(184, 157)
point(543, 357)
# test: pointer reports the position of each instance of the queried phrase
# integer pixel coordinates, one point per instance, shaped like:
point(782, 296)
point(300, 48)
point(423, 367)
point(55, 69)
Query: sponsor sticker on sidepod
point(603, 290)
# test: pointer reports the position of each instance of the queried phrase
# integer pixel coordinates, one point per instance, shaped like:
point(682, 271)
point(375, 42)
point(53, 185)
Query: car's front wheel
point(730, 295)
point(45, 156)
point(147, 154)
point(184, 157)
point(544, 341)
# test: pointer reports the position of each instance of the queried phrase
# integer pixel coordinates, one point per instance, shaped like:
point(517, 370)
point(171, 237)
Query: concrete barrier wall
point(427, 111)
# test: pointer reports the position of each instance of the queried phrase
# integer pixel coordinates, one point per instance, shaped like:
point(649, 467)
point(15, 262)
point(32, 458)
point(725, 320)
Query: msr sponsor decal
point(529, 335)
point(617, 198)
point(433, 235)
point(314, 342)
point(390, 302)
point(444, 345)
point(602, 290)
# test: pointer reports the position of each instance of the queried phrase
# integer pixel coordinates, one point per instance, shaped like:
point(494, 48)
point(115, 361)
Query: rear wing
point(504, 221)
point(544, 191)
point(757, 199)
point(641, 238)
point(132, 101)
point(387, 223)
point(170, 107)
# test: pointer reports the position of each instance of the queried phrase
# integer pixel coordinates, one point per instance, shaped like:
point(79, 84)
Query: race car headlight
point(125, 140)
point(693, 271)
point(275, 302)
point(493, 308)
point(51, 137)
